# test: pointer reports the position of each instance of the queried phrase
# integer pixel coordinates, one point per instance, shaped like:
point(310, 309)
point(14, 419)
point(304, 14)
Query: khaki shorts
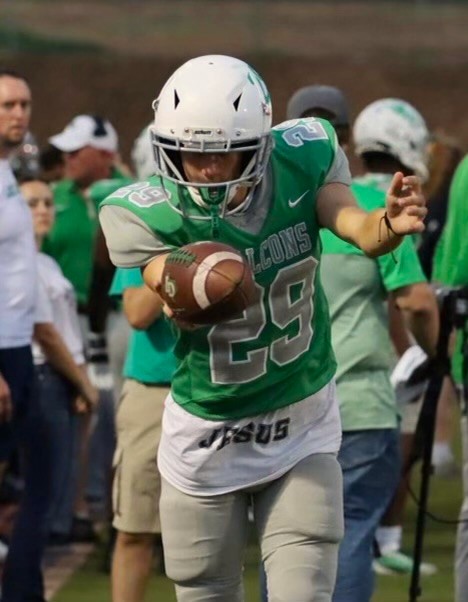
point(137, 484)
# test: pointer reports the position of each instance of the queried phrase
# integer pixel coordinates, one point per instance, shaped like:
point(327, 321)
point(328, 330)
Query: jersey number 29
point(226, 338)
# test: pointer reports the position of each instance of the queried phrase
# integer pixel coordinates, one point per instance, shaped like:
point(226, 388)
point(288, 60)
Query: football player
point(253, 410)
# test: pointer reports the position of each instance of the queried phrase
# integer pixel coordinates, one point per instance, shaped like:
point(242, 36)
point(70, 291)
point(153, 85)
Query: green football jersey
point(279, 351)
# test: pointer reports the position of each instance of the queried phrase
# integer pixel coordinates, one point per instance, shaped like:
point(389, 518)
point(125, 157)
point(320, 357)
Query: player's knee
point(188, 571)
point(195, 571)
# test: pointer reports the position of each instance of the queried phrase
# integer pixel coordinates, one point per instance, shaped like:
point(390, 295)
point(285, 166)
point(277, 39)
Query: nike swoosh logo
point(298, 200)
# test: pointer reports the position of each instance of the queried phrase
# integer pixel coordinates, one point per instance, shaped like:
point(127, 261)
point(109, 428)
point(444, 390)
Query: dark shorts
point(16, 367)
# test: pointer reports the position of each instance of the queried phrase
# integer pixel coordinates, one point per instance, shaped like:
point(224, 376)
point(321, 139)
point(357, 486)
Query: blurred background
point(112, 56)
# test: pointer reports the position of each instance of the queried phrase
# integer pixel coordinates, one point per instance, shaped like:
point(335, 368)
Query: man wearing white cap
point(89, 144)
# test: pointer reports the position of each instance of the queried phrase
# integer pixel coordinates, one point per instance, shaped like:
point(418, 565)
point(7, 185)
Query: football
point(207, 283)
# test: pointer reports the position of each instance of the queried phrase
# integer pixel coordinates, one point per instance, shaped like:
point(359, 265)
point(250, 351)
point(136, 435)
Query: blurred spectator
point(51, 164)
point(89, 145)
point(356, 287)
point(148, 371)
point(444, 156)
point(451, 269)
point(22, 577)
point(326, 102)
point(24, 160)
point(63, 387)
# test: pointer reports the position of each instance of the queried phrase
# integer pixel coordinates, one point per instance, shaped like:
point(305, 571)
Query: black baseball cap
point(326, 98)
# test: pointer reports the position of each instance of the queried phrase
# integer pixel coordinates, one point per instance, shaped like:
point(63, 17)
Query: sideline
point(61, 563)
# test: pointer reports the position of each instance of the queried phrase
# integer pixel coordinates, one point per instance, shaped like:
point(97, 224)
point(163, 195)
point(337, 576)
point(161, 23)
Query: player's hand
point(182, 324)
point(80, 406)
point(87, 400)
point(169, 313)
point(6, 407)
point(406, 205)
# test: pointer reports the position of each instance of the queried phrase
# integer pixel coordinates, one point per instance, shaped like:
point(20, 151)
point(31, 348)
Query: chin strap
point(214, 221)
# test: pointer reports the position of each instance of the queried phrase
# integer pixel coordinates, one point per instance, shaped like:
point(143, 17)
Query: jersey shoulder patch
point(140, 194)
point(299, 132)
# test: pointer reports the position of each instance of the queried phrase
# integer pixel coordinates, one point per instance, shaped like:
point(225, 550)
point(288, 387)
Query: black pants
point(22, 576)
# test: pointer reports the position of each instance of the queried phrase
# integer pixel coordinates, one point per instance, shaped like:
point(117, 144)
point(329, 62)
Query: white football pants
point(299, 518)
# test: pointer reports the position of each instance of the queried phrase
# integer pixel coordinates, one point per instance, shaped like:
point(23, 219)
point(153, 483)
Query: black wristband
point(387, 222)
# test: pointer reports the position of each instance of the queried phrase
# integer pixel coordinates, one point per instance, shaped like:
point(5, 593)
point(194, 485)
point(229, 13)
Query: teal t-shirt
point(150, 358)
point(356, 287)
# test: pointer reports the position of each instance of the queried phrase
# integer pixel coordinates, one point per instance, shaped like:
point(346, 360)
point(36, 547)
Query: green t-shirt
point(451, 257)
point(279, 352)
point(356, 288)
point(71, 240)
point(150, 354)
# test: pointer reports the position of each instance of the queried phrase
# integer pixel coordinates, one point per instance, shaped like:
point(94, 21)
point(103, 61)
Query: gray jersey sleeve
point(130, 241)
point(339, 171)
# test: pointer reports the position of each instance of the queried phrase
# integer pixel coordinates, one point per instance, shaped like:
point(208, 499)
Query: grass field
point(91, 585)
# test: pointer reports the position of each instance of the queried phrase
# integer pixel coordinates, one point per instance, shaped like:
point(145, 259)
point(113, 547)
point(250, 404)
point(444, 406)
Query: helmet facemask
point(255, 154)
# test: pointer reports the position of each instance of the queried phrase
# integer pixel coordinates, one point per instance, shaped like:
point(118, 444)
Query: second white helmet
point(394, 127)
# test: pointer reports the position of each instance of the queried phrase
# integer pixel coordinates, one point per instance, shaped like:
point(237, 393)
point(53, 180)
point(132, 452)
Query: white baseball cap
point(86, 130)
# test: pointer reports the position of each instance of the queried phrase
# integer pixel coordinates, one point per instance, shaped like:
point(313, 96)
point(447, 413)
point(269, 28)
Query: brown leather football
point(207, 283)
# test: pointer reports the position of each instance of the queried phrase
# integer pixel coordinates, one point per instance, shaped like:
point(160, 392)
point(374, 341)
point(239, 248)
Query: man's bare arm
point(142, 306)
point(405, 210)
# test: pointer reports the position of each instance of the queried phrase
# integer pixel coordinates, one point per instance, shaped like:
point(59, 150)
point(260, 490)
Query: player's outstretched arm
point(380, 231)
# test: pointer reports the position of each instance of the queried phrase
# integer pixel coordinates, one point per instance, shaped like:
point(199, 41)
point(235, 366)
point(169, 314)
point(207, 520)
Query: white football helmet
point(394, 127)
point(143, 156)
point(213, 104)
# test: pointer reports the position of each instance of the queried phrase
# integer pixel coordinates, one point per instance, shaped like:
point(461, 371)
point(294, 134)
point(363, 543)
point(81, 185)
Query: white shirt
point(205, 457)
point(18, 268)
point(56, 304)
